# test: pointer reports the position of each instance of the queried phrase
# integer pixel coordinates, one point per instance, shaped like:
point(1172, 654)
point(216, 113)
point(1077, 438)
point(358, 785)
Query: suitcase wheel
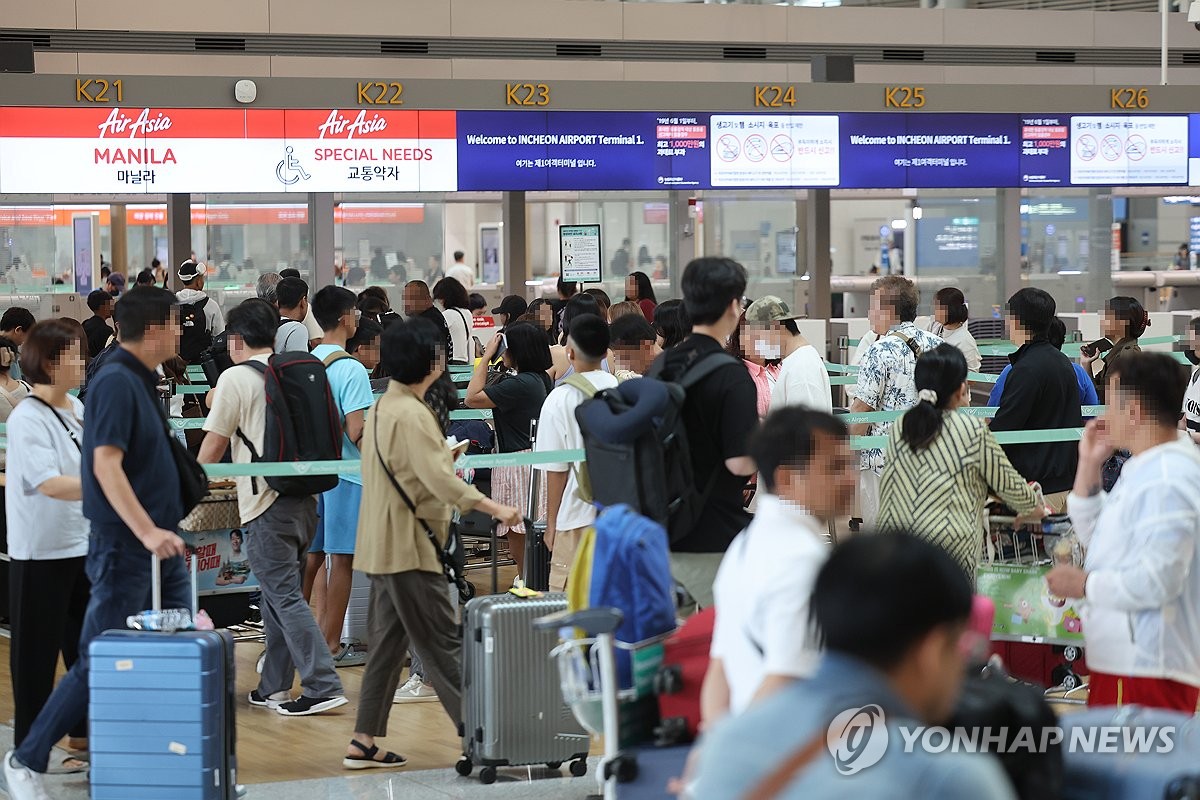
point(464, 766)
point(487, 775)
point(579, 768)
point(623, 767)
point(671, 731)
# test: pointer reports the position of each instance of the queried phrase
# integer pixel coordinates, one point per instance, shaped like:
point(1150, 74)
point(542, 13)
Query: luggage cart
point(587, 668)
point(1012, 573)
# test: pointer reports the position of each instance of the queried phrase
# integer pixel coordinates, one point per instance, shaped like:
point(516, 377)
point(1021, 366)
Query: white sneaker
point(415, 691)
point(22, 783)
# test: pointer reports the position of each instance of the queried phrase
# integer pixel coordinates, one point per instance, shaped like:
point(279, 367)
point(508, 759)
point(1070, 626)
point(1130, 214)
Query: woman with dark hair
point(12, 390)
point(541, 313)
point(451, 296)
point(940, 467)
point(516, 400)
point(639, 290)
point(950, 323)
point(576, 307)
point(602, 299)
point(47, 532)
point(1122, 323)
point(671, 323)
point(404, 454)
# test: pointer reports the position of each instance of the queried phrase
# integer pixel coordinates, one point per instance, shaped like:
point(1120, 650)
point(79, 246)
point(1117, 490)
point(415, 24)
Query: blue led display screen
point(630, 151)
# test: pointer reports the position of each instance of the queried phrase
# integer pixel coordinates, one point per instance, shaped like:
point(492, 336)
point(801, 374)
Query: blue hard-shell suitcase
point(161, 711)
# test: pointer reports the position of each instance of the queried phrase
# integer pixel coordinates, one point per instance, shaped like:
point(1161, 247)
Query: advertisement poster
point(1129, 150)
point(579, 248)
point(222, 565)
point(1025, 607)
point(769, 150)
point(85, 234)
point(1045, 151)
point(492, 254)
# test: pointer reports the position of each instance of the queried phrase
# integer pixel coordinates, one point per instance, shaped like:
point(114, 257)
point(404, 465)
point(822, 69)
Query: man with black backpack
point(279, 518)
point(719, 413)
point(200, 318)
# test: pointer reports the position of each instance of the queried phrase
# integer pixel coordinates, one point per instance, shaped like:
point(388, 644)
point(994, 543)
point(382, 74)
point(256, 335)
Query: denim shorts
point(337, 523)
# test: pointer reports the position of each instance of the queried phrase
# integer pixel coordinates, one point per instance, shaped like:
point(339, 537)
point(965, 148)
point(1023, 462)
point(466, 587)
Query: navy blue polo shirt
point(123, 411)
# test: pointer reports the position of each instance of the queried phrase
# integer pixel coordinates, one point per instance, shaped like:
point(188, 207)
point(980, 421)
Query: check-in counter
point(979, 290)
point(1161, 290)
point(842, 330)
point(47, 305)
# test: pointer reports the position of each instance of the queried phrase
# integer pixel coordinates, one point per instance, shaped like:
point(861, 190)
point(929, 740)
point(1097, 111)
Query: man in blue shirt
point(337, 314)
point(133, 504)
point(891, 610)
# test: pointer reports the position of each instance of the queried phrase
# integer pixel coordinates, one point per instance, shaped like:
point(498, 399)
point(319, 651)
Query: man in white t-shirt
point(762, 640)
point(461, 271)
point(803, 379)
point(278, 529)
point(569, 515)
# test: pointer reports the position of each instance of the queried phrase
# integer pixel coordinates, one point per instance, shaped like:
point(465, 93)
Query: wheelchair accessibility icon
point(289, 171)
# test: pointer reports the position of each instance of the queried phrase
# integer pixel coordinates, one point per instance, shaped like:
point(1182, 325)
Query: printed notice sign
point(1129, 150)
point(774, 150)
point(579, 248)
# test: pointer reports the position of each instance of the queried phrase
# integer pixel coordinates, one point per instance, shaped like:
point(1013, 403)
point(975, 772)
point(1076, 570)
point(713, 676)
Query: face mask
point(767, 351)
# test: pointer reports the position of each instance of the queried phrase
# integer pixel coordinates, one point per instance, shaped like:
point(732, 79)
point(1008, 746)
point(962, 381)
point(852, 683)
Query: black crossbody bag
point(451, 554)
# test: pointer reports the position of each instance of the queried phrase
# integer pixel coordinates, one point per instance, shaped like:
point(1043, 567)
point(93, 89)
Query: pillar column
point(514, 240)
point(683, 238)
point(1009, 278)
point(179, 235)
point(320, 220)
point(816, 254)
point(119, 242)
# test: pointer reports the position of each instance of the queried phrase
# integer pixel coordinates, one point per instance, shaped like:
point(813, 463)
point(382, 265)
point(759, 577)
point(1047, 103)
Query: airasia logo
point(338, 125)
point(120, 123)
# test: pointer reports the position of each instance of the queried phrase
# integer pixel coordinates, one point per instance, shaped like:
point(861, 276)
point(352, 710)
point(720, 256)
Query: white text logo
point(337, 125)
point(120, 124)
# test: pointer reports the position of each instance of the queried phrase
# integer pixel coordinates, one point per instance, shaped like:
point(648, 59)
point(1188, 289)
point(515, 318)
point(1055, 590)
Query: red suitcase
point(685, 661)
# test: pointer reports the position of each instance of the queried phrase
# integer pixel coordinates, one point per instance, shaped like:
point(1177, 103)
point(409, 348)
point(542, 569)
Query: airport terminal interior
point(988, 145)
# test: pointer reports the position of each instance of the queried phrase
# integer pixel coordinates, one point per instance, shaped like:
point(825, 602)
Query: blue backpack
point(631, 571)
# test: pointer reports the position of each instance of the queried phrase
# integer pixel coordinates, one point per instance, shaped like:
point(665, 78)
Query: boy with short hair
point(278, 529)
point(336, 311)
point(569, 515)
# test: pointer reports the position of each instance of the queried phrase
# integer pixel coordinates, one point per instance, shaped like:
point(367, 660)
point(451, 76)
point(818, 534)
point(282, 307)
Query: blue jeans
point(119, 569)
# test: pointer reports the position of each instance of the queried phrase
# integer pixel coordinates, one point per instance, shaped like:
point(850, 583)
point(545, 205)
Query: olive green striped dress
point(939, 492)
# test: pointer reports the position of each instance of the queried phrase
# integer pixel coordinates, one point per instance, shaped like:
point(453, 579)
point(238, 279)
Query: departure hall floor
point(283, 758)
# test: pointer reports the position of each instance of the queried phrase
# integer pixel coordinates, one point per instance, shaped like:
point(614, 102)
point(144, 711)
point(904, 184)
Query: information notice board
point(579, 250)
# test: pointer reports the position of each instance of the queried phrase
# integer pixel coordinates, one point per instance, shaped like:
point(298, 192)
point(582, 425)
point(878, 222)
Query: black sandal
point(368, 761)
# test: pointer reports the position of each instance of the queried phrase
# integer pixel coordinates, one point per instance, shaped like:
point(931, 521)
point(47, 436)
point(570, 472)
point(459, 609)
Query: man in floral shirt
point(885, 378)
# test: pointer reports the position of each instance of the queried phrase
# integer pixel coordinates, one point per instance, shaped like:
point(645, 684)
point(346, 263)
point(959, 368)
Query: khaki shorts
point(563, 556)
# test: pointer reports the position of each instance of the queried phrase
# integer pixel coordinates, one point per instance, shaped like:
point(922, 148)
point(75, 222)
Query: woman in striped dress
point(940, 466)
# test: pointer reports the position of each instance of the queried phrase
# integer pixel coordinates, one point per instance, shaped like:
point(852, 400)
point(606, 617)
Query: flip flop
point(70, 765)
point(368, 761)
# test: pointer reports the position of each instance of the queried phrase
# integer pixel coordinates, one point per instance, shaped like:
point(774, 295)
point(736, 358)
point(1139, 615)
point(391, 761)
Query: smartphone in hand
point(1096, 347)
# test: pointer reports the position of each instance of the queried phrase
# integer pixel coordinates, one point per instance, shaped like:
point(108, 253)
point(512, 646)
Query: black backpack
point(303, 423)
point(195, 336)
point(638, 451)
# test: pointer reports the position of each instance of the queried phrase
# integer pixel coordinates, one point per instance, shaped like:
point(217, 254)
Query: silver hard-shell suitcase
point(513, 708)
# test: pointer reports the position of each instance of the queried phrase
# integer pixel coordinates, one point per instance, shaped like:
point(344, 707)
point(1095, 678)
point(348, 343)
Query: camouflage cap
point(769, 309)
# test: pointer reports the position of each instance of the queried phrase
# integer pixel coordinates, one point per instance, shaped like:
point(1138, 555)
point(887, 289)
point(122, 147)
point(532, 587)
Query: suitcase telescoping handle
point(532, 507)
point(156, 585)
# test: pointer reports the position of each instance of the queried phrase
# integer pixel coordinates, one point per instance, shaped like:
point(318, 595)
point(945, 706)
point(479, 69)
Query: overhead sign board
point(101, 150)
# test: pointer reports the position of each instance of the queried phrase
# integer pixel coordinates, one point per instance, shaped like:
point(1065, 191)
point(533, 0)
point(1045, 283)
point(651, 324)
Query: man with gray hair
point(265, 288)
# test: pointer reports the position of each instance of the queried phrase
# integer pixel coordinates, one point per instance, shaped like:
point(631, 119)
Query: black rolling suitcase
point(537, 555)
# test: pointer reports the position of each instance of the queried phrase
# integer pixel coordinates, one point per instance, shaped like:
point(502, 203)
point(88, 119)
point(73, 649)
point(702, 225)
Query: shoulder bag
point(193, 480)
point(450, 554)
